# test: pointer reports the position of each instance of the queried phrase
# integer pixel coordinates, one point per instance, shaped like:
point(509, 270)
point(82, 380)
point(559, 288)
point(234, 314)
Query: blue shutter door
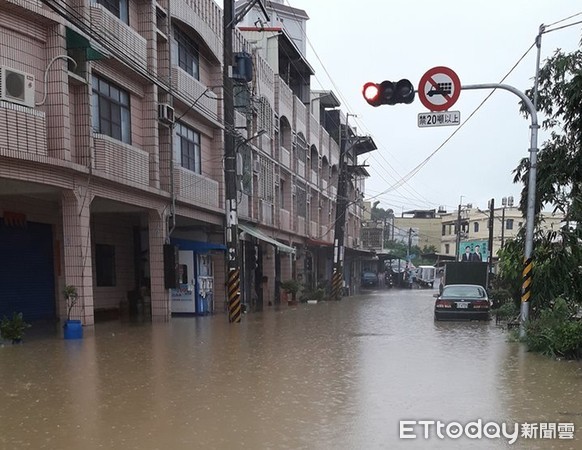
point(27, 278)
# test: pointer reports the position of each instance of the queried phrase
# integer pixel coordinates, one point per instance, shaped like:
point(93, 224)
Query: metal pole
point(458, 237)
point(491, 224)
point(231, 204)
point(531, 193)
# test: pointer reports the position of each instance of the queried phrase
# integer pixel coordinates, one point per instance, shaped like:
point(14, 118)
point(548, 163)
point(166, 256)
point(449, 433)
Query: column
point(160, 295)
point(78, 267)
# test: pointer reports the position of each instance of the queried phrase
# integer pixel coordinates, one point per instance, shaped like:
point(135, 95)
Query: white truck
point(425, 276)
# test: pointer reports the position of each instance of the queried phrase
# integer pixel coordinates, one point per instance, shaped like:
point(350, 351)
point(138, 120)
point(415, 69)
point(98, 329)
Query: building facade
point(112, 153)
point(474, 229)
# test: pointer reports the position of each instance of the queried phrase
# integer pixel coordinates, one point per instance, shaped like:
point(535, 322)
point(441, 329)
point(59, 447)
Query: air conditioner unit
point(166, 114)
point(17, 87)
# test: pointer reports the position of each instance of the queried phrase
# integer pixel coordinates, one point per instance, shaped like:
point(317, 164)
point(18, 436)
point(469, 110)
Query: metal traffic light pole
point(531, 194)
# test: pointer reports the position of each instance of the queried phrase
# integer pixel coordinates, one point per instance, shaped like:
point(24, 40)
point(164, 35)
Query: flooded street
point(335, 375)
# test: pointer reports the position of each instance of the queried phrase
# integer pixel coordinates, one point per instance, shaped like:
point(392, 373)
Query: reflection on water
point(331, 375)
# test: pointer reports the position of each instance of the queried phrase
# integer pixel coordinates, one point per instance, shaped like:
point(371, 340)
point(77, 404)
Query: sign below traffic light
point(388, 92)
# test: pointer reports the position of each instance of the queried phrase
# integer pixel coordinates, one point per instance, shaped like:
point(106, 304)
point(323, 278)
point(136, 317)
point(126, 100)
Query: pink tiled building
point(111, 148)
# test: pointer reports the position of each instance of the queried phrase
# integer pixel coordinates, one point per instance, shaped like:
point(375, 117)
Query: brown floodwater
point(335, 375)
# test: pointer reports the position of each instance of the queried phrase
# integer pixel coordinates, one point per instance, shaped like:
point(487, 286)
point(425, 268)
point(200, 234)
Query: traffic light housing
point(388, 92)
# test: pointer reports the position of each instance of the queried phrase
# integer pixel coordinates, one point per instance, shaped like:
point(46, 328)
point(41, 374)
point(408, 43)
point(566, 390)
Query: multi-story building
point(474, 229)
point(421, 227)
point(111, 151)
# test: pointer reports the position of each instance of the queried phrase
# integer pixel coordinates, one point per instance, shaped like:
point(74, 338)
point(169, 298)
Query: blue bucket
point(73, 329)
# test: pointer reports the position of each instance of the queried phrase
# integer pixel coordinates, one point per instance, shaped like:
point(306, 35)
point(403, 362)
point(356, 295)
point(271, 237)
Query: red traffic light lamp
point(388, 92)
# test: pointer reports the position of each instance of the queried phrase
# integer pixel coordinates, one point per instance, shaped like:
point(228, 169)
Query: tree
point(557, 254)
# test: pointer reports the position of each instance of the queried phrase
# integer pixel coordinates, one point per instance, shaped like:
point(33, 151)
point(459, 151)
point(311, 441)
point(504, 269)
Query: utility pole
point(409, 245)
point(231, 204)
point(340, 219)
point(490, 257)
point(230, 153)
point(458, 240)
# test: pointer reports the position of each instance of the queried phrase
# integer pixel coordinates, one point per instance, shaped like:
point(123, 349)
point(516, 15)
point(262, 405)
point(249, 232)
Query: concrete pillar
point(77, 250)
point(160, 296)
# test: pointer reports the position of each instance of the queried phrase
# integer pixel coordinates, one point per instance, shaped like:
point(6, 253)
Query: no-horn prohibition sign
point(439, 88)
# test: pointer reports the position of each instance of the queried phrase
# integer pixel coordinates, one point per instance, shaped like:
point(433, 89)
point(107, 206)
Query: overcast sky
point(351, 43)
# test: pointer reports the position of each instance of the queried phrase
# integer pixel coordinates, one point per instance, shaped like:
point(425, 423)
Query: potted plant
point(73, 328)
point(290, 287)
point(13, 329)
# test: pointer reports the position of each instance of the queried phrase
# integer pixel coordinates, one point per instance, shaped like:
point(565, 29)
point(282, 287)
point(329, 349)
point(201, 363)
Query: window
point(476, 227)
point(111, 110)
point(187, 53)
point(509, 224)
point(187, 147)
point(282, 194)
point(105, 265)
point(444, 230)
point(447, 248)
point(119, 8)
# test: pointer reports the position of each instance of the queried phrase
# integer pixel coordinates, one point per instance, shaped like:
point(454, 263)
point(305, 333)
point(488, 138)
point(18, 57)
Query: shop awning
point(197, 246)
point(92, 50)
point(263, 237)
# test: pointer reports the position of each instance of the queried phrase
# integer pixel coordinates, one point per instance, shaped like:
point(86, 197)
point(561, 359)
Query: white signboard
point(439, 119)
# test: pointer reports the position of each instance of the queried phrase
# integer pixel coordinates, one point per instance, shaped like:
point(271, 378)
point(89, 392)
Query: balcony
point(284, 220)
point(25, 130)
point(313, 229)
point(190, 88)
point(266, 212)
point(285, 100)
point(313, 176)
point(119, 35)
point(120, 160)
point(196, 188)
point(205, 16)
point(300, 225)
point(301, 169)
point(300, 116)
point(285, 158)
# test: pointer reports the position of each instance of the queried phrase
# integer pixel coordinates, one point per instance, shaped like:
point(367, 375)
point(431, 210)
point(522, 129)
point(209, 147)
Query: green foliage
point(71, 297)
point(291, 286)
point(555, 333)
point(13, 329)
point(507, 310)
point(312, 294)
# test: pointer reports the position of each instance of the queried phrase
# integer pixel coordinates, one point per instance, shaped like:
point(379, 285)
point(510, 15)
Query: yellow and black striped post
point(336, 285)
point(527, 279)
point(234, 306)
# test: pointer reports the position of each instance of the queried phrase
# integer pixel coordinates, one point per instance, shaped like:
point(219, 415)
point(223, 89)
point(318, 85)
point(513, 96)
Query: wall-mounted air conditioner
point(166, 114)
point(16, 86)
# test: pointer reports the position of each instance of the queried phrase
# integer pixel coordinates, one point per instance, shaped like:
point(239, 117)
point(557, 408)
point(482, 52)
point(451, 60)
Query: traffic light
point(388, 92)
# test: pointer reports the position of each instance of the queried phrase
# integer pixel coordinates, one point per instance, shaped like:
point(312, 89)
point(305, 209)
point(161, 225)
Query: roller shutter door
point(26, 271)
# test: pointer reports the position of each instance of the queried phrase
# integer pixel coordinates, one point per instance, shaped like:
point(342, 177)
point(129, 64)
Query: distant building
point(474, 228)
point(425, 225)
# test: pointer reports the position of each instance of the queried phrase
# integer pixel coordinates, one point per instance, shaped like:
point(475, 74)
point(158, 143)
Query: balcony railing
point(196, 188)
point(121, 35)
point(120, 160)
point(266, 212)
point(285, 158)
point(285, 220)
point(190, 87)
point(25, 129)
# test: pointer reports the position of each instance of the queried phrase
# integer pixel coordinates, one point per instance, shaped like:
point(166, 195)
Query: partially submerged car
point(462, 302)
point(369, 279)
